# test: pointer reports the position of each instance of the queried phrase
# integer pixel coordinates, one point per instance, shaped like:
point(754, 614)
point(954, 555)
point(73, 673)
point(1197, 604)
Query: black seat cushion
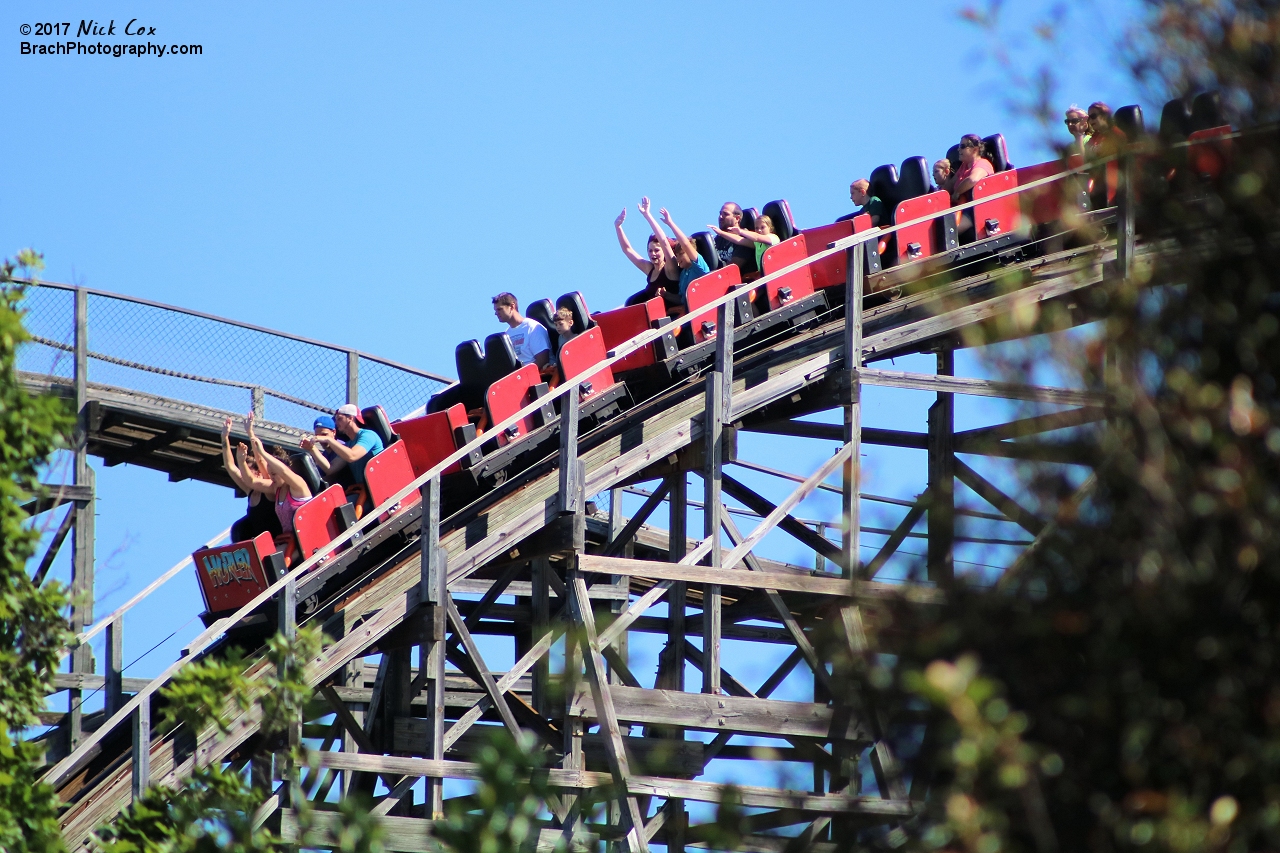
point(705, 243)
point(997, 152)
point(1206, 111)
point(469, 359)
point(884, 184)
point(1175, 120)
point(779, 212)
point(376, 419)
point(306, 468)
point(913, 179)
point(545, 313)
point(499, 357)
point(1129, 120)
point(749, 217)
point(577, 305)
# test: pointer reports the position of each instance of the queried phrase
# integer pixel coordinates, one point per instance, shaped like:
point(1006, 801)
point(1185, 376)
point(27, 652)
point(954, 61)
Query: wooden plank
point(399, 834)
point(486, 678)
point(987, 491)
point(634, 523)
point(787, 523)
point(709, 792)
point(89, 681)
point(740, 578)
point(769, 717)
point(899, 534)
point(982, 387)
point(601, 694)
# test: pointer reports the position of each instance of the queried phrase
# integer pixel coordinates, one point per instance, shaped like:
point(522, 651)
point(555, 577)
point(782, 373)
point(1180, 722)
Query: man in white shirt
point(528, 338)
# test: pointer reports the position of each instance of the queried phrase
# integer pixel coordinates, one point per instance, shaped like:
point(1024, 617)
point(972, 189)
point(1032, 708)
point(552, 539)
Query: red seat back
point(830, 271)
point(315, 523)
point(796, 284)
point(581, 354)
point(509, 395)
point(924, 234)
point(1001, 216)
point(705, 290)
point(389, 472)
point(231, 575)
point(1208, 154)
point(622, 324)
point(430, 439)
point(1045, 203)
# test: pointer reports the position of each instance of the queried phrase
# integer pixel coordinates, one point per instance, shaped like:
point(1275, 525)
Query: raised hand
point(226, 429)
point(644, 205)
point(666, 217)
point(622, 217)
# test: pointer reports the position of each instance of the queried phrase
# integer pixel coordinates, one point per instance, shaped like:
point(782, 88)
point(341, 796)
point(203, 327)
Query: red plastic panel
point(429, 439)
point(1007, 211)
point(389, 472)
point(796, 284)
point(1209, 154)
point(231, 576)
point(584, 352)
point(830, 271)
point(314, 522)
point(1045, 203)
point(622, 324)
point(708, 289)
point(509, 395)
point(922, 233)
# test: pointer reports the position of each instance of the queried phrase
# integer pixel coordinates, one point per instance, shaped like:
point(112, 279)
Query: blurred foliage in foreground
point(1123, 690)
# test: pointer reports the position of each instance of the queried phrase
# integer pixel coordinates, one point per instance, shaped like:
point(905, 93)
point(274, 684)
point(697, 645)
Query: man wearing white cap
point(352, 447)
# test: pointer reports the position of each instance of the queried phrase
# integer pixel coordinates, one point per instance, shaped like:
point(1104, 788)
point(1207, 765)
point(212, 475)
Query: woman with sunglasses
point(973, 168)
point(1077, 122)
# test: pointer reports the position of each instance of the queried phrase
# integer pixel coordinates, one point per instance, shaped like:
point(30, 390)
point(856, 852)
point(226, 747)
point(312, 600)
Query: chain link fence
point(176, 354)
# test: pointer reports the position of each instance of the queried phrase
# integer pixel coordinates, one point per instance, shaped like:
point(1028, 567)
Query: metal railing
point(175, 353)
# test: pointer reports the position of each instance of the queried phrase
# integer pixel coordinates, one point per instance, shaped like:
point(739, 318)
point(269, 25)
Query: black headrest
point(499, 357)
point(996, 151)
point(306, 468)
point(1175, 120)
point(1129, 120)
point(470, 361)
point(705, 243)
point(779, 212)
point(1206, 111)
point(544, 312)
point(749, 217)
point(884, 184)
point(578, 307)
point(913, 179)
point(376, 419)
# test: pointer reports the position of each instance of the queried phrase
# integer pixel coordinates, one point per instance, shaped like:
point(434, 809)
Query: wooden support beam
point(899, 534)
point(486, 678)
point(55, 495)
point(740, 578)
point(977, 438)
point(709, 792)
point(851, 398)
point(731, 714)
point(601, 694)
point(158, 442)
point(759, 504)
point(619, 542)
point(950, 384)
point(50, 554)
point(998, 499)
point(942, 503)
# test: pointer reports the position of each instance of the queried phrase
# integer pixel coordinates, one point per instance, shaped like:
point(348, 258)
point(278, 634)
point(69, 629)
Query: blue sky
point(372, 175)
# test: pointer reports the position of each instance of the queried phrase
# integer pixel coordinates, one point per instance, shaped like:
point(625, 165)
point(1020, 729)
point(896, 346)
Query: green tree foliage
point(501, 817)
point(214, 808)
point(1123, 691)
point(32, 630)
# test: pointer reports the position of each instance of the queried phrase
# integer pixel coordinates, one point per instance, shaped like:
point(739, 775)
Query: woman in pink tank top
point(282, 481)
